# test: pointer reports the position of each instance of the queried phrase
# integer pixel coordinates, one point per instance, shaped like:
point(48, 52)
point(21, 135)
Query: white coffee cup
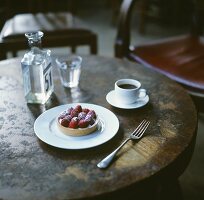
point(128, 91)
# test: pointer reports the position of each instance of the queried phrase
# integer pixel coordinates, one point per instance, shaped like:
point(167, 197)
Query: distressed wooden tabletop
point(31, 169)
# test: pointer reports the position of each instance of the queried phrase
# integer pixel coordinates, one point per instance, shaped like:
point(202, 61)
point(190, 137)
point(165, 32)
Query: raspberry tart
point(77, 121)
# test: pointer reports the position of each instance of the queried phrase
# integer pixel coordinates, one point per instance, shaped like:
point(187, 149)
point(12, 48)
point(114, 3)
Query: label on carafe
point(47, 74)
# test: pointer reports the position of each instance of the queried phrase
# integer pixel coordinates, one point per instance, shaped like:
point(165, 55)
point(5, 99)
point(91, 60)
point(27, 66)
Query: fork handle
point(107, 160)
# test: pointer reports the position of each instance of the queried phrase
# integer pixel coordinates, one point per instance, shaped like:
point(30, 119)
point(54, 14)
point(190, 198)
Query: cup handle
point(142, 93)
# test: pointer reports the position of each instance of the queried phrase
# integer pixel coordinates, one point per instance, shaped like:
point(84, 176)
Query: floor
point(99, 19)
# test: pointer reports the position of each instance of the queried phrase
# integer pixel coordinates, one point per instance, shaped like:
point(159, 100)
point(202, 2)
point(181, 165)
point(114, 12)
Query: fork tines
point(141, 128)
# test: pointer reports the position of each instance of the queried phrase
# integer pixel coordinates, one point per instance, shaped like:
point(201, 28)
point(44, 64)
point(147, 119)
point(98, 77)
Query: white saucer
point(112, 100)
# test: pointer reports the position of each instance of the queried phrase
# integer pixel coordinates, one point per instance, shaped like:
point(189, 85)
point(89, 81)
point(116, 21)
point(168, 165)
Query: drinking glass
point(70, 70)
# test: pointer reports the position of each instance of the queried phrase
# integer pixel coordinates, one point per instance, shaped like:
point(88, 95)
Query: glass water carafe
point(37, 71)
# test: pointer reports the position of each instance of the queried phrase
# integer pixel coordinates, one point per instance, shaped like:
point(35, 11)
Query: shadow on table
point(87, 154)
point(37, 109)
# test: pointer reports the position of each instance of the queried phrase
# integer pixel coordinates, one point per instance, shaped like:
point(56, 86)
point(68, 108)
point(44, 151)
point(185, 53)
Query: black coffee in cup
point(127, 86)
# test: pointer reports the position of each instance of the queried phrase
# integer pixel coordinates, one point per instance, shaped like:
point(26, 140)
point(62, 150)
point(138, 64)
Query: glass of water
point(70, 70)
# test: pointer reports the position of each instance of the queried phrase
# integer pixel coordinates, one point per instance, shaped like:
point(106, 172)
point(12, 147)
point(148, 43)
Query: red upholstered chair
point(181, 57)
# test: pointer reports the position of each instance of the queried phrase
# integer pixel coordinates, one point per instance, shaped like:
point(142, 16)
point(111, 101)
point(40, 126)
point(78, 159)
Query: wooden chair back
point(60, 28)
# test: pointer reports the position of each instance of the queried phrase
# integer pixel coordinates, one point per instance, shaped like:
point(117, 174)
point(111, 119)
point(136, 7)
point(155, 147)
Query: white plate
point(46, 129)
point(112, 100)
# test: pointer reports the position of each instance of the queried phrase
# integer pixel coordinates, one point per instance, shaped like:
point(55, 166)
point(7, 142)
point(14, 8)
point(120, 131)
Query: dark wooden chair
point(181, 57)
point(60, 28)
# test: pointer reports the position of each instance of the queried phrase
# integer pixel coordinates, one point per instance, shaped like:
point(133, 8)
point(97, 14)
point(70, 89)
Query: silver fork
point(135, 135)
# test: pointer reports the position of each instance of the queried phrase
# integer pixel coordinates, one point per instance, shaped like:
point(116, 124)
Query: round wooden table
point(31, 169)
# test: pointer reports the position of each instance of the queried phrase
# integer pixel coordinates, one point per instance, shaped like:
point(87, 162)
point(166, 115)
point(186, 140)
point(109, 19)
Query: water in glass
point(70, 70)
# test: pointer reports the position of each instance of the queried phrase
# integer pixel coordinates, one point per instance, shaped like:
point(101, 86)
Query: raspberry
point(90, 119)
point(83, 123)
point(92, 114)
point(74, 113)
point(62, 115)
point(64, 122)
point(78, 108)
point(74, 123)
point(68, 117)
point(86, 110)
point(81, 115)
point(69, 110)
